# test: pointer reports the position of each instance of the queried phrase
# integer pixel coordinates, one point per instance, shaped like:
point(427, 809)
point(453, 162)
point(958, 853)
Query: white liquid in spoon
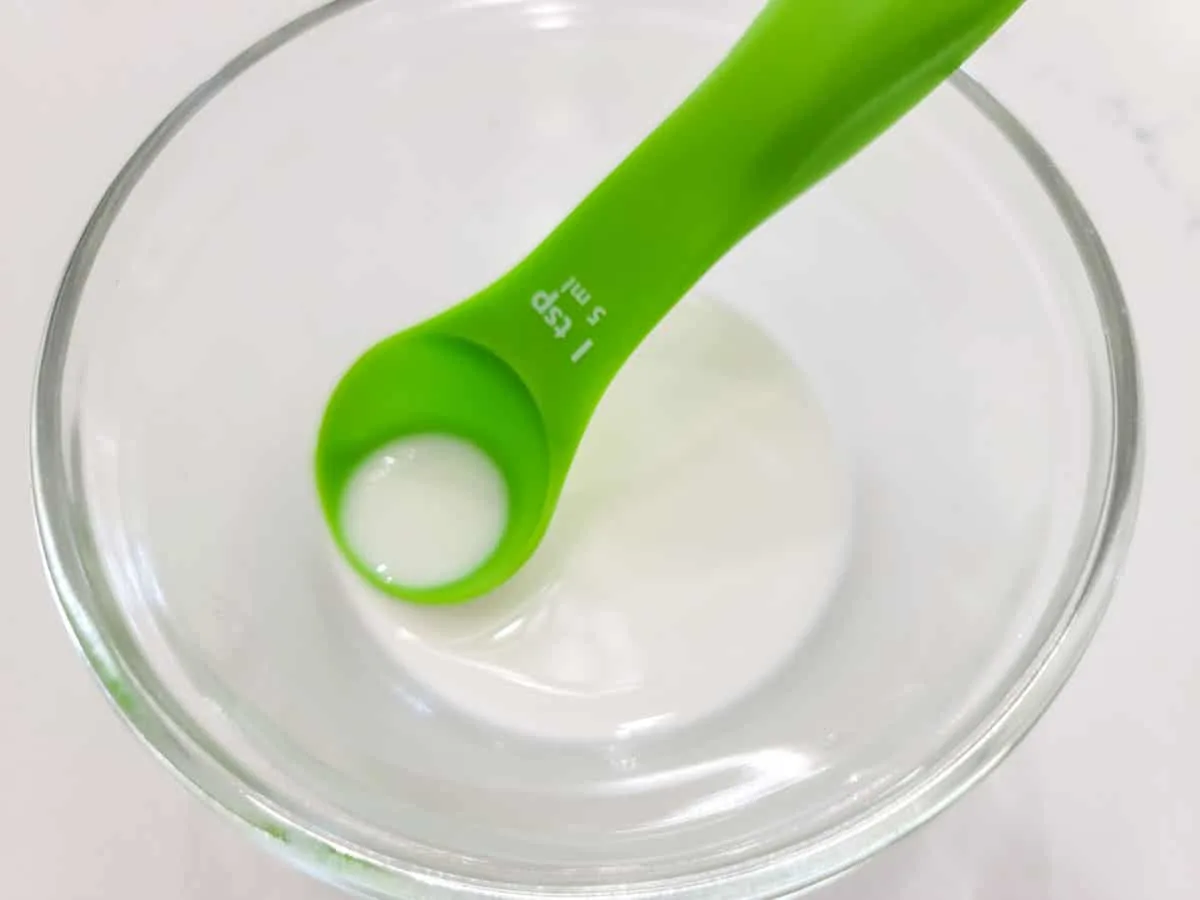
point(702, 531)
point(425, 511)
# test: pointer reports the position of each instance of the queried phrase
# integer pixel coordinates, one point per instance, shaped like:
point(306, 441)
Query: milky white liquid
point(701, 533)
point(425, 511)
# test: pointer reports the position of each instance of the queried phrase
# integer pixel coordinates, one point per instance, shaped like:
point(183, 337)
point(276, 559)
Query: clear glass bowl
point(369, 163)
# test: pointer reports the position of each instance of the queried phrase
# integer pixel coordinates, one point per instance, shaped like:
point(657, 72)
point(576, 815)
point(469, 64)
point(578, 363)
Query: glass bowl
point(944, 295)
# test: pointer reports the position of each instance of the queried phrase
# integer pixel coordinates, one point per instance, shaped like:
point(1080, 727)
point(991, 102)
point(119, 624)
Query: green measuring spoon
point(518, 369)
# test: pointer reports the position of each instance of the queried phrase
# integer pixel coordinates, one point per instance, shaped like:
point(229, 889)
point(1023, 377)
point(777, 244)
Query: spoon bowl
point(421, 382)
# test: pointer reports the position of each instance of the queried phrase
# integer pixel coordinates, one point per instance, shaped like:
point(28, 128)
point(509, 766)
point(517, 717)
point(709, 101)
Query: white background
point(1101, 803)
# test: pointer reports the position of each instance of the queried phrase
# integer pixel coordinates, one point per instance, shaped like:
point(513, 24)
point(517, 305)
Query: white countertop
point(1101, 803)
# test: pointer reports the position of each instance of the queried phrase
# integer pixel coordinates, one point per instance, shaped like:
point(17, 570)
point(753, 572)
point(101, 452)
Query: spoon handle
point(808, 85)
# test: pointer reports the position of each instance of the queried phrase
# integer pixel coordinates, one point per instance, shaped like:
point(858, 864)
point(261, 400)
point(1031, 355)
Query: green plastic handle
point(808, 85)
point(519, 368)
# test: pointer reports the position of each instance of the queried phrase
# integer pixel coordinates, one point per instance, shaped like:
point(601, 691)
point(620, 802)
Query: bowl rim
point(182, 747)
